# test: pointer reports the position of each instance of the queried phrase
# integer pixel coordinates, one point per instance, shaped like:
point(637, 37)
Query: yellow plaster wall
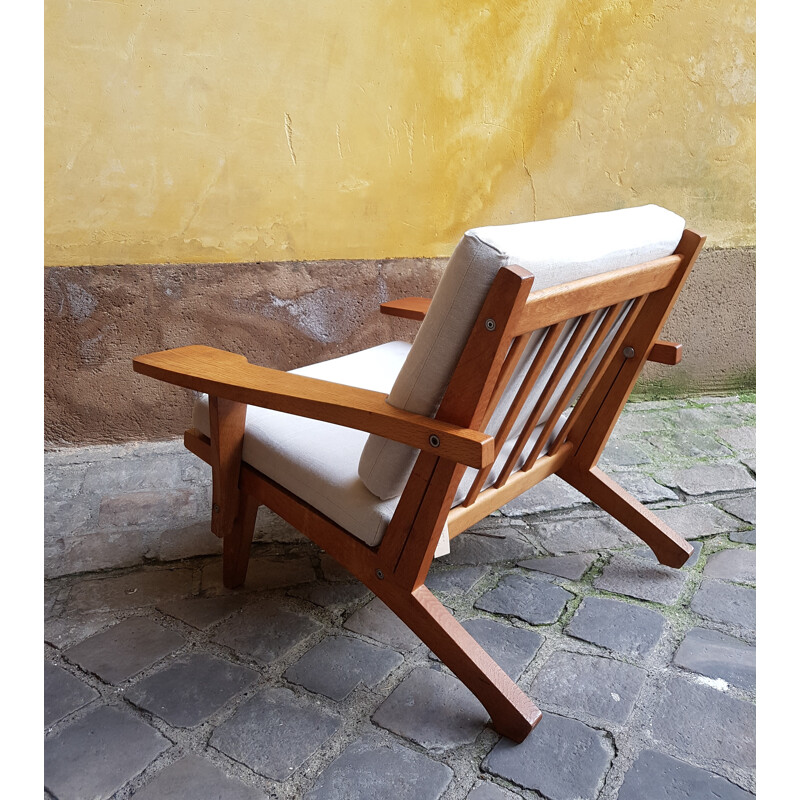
point(253, 130)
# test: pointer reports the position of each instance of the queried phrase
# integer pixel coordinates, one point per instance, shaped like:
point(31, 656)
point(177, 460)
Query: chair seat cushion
point(318, 461)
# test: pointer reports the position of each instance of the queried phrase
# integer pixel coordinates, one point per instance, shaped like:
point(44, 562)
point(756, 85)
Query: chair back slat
point(542, 354)
point(575, 340)
point(611, 352)
point(610, 316)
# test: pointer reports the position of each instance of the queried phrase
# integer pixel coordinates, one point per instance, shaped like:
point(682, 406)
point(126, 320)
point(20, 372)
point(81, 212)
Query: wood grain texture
point(574, 299)
point(226, 375)
point(407, 307)
point(669, 547)
point(668, 353)
point(227, 421)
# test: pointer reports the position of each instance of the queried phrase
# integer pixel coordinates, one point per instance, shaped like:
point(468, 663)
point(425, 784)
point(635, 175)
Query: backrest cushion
point(554, 251)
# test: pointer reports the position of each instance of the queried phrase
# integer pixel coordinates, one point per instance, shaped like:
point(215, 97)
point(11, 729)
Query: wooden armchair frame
point(641, 296)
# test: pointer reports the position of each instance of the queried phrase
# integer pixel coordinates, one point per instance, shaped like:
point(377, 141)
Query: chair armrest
point(407, 307)
point(666, 353)
point(223, 374)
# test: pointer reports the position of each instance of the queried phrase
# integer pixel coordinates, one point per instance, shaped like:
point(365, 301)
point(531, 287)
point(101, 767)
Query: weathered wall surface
point(98, 319)
point(256, 130)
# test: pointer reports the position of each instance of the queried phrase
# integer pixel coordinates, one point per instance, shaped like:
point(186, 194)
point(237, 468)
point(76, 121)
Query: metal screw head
point(434, 440)
point(490, 324)
point(215, 508)
point(379, 574)
point(629, 352)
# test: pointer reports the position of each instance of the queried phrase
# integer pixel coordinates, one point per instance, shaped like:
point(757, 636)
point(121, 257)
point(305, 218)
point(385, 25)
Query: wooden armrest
point(666, 353)
point(223, 374)
point(407, 307)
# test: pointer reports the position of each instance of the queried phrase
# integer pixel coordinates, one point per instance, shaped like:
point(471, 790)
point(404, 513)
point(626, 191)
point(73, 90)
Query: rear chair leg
point(236, 542)
point(512, 712)
point(669, 547)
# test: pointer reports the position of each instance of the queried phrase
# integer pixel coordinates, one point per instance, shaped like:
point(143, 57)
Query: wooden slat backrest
point(569, 339)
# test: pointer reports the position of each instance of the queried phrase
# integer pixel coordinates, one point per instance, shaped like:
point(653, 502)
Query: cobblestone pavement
point(159, 683)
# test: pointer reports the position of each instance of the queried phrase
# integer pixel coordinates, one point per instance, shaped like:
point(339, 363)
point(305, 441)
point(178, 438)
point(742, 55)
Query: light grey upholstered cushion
point(554, 251)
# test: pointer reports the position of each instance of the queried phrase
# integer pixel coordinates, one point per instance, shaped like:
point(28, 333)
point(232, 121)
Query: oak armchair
point(523, 362)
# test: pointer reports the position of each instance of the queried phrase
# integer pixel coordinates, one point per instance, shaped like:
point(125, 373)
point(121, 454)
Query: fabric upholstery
point(555, 252)
point(318, 461)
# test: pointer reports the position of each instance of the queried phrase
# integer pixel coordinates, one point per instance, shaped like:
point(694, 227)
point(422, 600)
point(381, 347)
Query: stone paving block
point(717, 655)
point(622, 453)
point(190, 689)
point(483, 790)
point(137, 589)
point(581, 535)
point(275, 732)
point(726, 603)
point(737, 565)
point(512, 648)
point(562, 759)
point(331, 594)
point(163, 505)
point(635, 423)
point(98, 754)
point(643, 580)
point(744, 537)
point(379, 622)
point(538, 602)
point(602, 687)
point(433, 709)
point(572, 567)
point(64, 631)
point(368, 769)
point(470, 548)
point(63, 694)
point(125, 649)
point(656, 776)
point(710, 478)
point(623, 627)
point(647, 554)
point(698, 520)
point(203, 612)
point(704, 724)
point(643, 487)
point(262, 573)
point(552, 494)
point(742, 438)
point(338, 664)
point(750, 463)
point(459, 579)
point(265, 632)
point(688, 444)
point(193, 778)
point(332, 569)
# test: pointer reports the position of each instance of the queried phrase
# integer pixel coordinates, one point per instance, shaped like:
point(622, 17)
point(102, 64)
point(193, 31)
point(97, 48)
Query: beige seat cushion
point(555, 251)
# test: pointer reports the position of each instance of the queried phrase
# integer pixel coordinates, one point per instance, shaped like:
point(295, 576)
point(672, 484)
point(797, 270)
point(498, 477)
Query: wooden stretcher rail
point(222, 374)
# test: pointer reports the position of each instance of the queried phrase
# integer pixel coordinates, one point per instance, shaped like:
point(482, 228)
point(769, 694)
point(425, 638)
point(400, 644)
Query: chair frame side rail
point(395, 570)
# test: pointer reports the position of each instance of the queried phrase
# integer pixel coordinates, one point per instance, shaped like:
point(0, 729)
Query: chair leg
point(512, 712)
point(669, 547)
point(236, 542)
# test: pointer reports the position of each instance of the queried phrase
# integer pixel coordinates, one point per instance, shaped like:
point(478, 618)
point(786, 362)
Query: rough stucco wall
point(253, 130)
point(98, 318)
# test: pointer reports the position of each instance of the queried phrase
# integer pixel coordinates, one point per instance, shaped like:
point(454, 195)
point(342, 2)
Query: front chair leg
point(669, 547)
point(237, 541)
point(513, 714)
